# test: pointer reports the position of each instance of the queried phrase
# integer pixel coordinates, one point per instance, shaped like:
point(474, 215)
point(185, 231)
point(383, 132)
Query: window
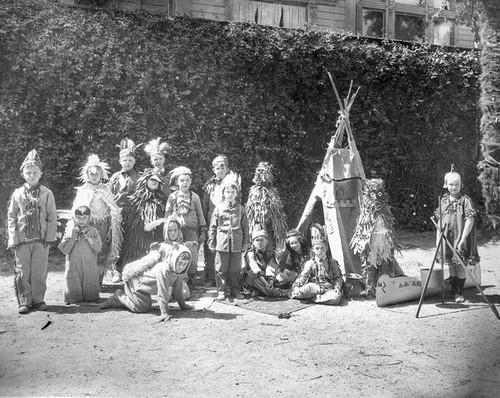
point(373, 23)
point(409, 27)
point(411, 20)
point(269, 13)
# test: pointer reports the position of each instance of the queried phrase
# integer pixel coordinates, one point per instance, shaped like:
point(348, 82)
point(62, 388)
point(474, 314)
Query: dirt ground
point(355, 350)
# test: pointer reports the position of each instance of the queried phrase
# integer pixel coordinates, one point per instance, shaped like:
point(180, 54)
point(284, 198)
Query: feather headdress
point(94, 162)
point(32, 159)
point(318, 234)
point(127, 147)
point(155, 147)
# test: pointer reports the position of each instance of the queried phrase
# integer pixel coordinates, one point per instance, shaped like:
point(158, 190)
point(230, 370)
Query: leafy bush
point(74, 82)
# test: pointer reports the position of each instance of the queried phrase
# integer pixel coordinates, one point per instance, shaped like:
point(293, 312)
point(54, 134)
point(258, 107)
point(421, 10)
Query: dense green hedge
point(75, 81)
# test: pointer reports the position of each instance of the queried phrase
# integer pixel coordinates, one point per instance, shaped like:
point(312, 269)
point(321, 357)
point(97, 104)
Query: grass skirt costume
point(373, 239)
point(145, 206)
point(264, 207)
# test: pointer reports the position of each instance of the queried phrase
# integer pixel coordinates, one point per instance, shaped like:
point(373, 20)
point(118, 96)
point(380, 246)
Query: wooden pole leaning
point(437, 252)
point(458, 257)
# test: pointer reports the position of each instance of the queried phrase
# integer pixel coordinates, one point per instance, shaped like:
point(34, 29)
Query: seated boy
point(261, 268)
point(321, 279)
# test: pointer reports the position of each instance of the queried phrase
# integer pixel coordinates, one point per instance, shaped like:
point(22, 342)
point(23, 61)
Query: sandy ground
point(355, 350)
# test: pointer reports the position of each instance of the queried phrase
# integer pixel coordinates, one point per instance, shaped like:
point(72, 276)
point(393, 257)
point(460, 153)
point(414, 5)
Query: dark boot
point(453, 285)
point(460, 290)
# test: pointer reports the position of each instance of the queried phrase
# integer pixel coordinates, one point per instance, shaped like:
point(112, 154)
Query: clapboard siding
point(331, 15)
point(465, 37)
point(209, 9)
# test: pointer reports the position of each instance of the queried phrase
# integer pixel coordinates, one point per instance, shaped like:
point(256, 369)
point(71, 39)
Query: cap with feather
point(32, 159)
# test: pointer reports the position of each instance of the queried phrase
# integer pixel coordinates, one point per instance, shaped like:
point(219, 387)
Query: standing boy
point(122, 184)
point(212, 196)
point(228, 237)
point(32, 224)
point(186, 206)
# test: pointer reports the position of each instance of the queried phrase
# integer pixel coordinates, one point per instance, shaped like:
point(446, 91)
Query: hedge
point(75, 81)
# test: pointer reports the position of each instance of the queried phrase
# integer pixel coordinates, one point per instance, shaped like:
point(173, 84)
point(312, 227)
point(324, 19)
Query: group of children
point(148, 229)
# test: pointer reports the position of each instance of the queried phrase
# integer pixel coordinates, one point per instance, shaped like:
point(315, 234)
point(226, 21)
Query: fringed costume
point(105, 214)
point(373, 239)
point(264, 206)
point(146, 206)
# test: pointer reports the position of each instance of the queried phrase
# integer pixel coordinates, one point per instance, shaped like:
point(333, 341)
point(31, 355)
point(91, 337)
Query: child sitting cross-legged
point(81, 246)
point(321, 279)
point(160, 272)
point(261, 268)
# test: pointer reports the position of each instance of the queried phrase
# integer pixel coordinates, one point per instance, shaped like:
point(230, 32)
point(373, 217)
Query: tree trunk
point(489, 166)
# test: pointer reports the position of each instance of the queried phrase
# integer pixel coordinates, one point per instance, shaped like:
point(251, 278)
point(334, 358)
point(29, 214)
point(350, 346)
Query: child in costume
point(147, 205)
point(321, 279)
point(32, 225)
point(458, 214)
point(160, 272)
point(81, 247)
point(105, 214)
point(186, 206)
point(297, 252)
point(264, 206)
point(122, 184)
point(261, 270)
point(373, 238)
point(157, 152)
point(228, 237)
point(212, 196)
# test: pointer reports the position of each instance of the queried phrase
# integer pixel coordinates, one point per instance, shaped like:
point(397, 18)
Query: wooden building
point(430, 21)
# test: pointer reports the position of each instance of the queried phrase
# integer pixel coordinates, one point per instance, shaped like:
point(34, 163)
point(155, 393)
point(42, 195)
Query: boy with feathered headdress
point(321, 279)
point(157, 152)
point(105, 213)
point(122, 184)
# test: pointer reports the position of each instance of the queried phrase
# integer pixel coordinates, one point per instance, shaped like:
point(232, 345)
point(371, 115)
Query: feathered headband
point(318, 234)
point(32, 159)
point(127, 148)
point(450, 175)
point(155, 147)
point(93, 162)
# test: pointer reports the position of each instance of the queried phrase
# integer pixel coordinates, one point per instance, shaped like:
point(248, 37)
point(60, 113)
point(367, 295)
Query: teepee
point(336, 195)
